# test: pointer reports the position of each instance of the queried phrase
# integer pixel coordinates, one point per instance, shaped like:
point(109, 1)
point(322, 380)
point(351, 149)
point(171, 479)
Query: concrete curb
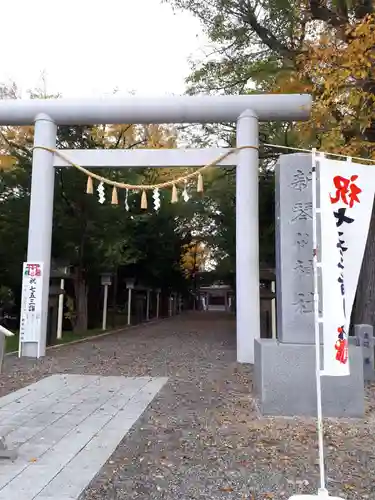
point(98, 336)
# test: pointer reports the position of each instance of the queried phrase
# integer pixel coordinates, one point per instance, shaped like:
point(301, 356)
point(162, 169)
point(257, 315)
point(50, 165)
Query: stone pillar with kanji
point(285, 378)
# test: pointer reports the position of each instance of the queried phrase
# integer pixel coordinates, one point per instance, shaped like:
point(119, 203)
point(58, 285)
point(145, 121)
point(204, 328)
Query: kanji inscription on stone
point(294, 256)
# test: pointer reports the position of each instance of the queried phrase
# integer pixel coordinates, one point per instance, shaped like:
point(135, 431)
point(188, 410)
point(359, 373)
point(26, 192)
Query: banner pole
point(322, 489)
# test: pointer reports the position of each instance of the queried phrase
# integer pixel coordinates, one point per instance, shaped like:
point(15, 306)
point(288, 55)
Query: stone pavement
point(66, 428)
point(202, 437)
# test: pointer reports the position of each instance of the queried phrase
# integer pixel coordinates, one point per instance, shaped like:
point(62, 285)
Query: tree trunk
point(81, 292)
point(364, 310)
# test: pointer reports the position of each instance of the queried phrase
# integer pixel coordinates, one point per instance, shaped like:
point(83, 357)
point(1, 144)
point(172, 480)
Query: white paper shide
point(346, 197)
point(31, 302)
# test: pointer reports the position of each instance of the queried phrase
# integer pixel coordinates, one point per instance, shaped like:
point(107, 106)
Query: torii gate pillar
point(40, 221)
point(247, 237)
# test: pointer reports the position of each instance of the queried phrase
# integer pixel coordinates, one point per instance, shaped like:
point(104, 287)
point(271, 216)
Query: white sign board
point(335, 333)
point(31, 302)
point(346, 198)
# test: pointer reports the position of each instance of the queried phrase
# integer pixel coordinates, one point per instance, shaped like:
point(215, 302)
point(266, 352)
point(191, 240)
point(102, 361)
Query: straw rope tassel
point(114, 200)
point(200, 183)
point(174, 194)
point(144, 200)
point(171, 183)
point(90, 186)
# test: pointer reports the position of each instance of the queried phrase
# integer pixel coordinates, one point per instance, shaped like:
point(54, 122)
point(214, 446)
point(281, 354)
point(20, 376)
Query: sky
point(89, 48)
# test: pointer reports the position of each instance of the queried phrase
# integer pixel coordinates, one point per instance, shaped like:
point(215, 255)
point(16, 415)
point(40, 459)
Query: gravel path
point(202, 437)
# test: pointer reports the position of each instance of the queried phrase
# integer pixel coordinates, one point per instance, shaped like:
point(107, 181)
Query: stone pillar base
point(284, 381)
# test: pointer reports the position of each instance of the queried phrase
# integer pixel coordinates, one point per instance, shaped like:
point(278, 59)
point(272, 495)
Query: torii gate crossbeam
point(246, 110)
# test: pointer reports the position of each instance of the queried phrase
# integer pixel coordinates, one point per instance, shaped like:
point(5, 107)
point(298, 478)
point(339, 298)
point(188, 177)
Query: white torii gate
point(246, 110)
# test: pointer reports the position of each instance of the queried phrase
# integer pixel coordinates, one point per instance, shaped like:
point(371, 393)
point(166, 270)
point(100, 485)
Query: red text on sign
point(346, 190)
point(341, 347)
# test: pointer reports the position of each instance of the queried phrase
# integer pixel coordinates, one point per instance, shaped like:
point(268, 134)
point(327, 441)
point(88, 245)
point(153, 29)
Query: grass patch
point(11, 343)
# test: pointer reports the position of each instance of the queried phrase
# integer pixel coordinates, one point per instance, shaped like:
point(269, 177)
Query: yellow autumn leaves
point(194, 256)
point(338, 67)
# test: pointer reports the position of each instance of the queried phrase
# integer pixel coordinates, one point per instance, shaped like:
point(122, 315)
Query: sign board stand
point(31, 304)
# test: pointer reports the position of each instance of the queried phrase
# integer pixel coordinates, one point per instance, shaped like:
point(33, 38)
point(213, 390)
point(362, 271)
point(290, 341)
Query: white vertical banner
point(335, 332)
point(346, 198)
point(31, 302)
